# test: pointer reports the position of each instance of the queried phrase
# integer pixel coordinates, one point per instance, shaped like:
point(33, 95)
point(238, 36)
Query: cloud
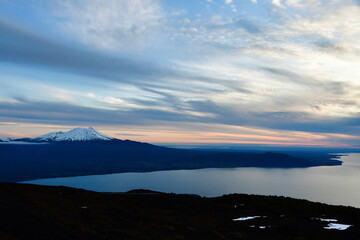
point(248, 25)
point(23, 47)
point(66, 114)
point(326, 23)
point(337, 88)
point(116, 25)
point(297, 68)
point(232, 28)
point(277, 3)
point(228, 1)
point(20, 46)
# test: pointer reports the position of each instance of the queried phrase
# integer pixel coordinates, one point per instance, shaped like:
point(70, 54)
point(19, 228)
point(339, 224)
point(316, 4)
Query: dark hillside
point(39, 212)
point(20, 162)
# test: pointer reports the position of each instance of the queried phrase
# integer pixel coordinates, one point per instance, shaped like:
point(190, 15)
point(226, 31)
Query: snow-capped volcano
point(76, 134)
point(7, 139)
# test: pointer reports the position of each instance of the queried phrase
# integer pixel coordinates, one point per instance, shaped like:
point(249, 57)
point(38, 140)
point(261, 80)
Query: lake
point(339, 185)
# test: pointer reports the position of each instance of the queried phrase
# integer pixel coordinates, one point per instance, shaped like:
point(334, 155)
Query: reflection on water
point(334, 184)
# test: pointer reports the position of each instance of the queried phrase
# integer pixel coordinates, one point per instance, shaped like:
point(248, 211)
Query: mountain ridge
point(85, 151)
point(74, 135)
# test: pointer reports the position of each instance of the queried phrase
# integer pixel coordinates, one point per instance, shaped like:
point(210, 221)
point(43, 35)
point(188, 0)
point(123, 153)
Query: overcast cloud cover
point(209, 71)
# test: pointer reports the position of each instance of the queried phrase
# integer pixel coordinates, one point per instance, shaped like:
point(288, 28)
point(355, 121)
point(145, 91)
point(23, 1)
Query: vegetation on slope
point(19, 162)
point(41, 212)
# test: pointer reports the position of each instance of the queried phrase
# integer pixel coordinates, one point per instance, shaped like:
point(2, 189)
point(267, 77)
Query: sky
point(262, 72)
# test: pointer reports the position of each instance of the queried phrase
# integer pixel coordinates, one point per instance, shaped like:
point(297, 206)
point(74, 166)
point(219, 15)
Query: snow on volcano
point(76, 134)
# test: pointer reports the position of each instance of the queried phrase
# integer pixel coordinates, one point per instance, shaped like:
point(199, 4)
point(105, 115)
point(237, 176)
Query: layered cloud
point(288, 66)
point(112, 25)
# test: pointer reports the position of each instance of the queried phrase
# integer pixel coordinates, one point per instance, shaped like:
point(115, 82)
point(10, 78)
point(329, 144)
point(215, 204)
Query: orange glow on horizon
point(204, 134)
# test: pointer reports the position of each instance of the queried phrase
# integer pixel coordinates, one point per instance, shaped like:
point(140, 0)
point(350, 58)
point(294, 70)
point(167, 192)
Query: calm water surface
point(338, 185)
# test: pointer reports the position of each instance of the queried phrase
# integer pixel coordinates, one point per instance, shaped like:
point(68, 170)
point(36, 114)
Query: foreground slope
point(39, 212)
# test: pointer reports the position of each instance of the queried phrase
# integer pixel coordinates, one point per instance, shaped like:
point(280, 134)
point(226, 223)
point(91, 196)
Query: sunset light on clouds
point(268, 72)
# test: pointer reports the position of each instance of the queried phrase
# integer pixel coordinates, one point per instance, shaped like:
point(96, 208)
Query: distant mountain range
point(85, 151)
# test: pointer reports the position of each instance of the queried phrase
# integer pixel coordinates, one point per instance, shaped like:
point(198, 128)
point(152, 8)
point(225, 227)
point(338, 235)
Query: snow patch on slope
point(245, 218)
point(337, 226)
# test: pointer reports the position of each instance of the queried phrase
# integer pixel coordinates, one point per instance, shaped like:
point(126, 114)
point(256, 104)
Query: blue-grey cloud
point(294, 121)
point(20, 46)
point(67, 114)
point(247, 25)
point(334, 87)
